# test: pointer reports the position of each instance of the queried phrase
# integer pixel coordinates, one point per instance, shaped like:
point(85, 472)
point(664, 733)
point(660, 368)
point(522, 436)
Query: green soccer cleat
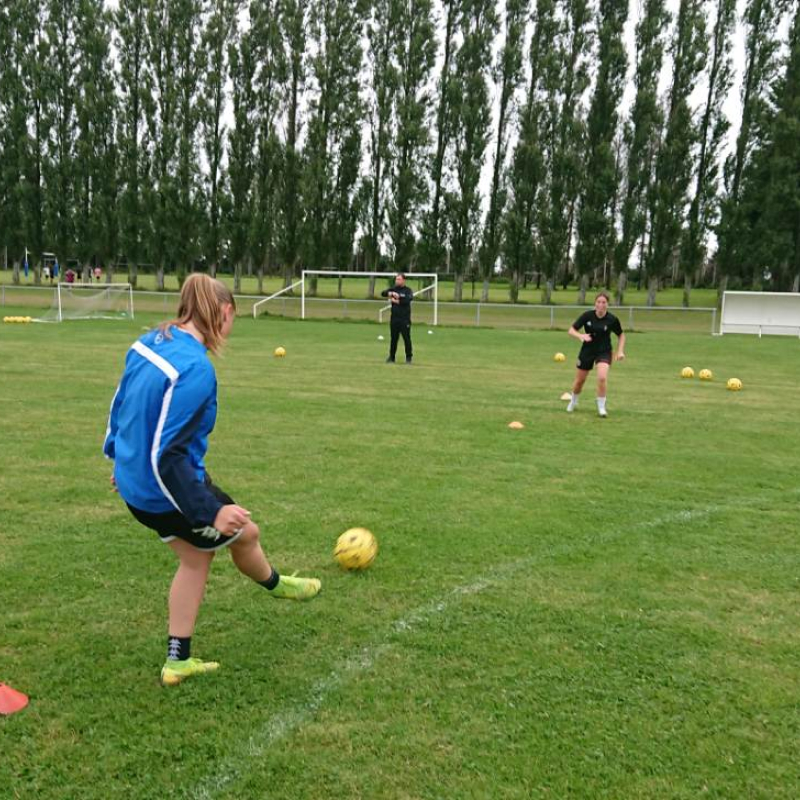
point(292, 588)
point(173, 672)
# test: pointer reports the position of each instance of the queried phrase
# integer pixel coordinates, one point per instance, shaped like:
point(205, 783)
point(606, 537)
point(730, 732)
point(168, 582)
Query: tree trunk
point(687, 289)
point(160, 278)
point(485, 291)
point(622, 282)
point(15, 273)
point(583, 285)
point(513, 287)
point(547, 292)
point(723, 285)
point(371, 288)
point(796, 283)
point(652, 289)
point(339, 288)
point(458, 289)
point(133, 273)
point(260, 277)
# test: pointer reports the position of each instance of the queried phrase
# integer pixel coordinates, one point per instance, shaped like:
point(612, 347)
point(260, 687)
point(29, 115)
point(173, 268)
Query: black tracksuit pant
point(399, 329)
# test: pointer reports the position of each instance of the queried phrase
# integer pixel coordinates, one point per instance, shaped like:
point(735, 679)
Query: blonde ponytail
point(201, 303)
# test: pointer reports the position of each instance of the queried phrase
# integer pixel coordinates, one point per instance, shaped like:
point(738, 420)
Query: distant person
point(98, 273)
point(161, 416)
point(69, 276)
point(596, 350)
point(55, 269)
point(46, 274)
point(400, 322)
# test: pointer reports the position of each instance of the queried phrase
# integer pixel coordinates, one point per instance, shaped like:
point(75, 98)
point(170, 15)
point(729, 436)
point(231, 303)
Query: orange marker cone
point(11, 700)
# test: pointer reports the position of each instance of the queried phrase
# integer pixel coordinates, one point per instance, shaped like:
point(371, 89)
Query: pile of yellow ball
point(705, 375)
point(559, 357)
point(734, 385)
point(687, 372)
point(280, 352)
point(17, 319)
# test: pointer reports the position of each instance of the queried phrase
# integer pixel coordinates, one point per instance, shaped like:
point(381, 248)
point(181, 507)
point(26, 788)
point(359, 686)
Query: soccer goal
point(331, 296)
point(91, 301)
point(776, 313)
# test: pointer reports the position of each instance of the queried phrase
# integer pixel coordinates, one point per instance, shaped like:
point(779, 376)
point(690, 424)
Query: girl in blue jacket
point(161, 416)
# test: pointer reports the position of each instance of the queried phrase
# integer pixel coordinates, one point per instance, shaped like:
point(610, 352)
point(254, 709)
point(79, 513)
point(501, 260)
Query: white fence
point(472, 314)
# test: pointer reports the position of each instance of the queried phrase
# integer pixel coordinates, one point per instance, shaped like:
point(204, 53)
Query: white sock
point(601, 403)
point(573, 401)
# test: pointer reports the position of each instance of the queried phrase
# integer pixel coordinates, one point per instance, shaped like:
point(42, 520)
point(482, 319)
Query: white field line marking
point(283, 723)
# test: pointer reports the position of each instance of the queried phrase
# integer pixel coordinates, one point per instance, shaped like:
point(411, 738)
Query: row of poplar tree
point(267, 135)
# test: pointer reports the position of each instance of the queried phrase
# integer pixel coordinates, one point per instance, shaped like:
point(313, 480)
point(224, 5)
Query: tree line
point(264, 136)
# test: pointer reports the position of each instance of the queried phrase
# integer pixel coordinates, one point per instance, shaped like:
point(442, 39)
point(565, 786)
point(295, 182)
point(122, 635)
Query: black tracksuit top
point(401, 312)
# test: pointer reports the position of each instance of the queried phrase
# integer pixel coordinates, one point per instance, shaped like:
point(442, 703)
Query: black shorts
point(587, 360)
point(173, 525)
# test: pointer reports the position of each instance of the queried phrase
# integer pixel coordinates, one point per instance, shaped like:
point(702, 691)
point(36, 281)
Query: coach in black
point(400, 323)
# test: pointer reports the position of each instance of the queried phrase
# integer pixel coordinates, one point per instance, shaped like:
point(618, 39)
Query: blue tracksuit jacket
point(161, 415)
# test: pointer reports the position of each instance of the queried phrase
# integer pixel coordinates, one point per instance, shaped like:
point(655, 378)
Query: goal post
point(432, 289)
point(91, 301)
point(760, 313)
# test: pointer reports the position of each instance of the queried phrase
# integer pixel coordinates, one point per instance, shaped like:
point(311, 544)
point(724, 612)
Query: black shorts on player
point(587, 359)
point(173, 525)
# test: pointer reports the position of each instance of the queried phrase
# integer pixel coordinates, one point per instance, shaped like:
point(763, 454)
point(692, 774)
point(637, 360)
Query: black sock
point(272, 581)
point(178, 648)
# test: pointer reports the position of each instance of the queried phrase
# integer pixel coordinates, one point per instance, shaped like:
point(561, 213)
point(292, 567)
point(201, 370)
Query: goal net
point(760, 313)
point(91, 301)
point(331, 294)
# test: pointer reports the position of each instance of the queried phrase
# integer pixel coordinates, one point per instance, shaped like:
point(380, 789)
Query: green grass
point(356, 288)
point(582, 609)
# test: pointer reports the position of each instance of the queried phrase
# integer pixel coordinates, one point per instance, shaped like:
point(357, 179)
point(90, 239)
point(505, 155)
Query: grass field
point(585, 608)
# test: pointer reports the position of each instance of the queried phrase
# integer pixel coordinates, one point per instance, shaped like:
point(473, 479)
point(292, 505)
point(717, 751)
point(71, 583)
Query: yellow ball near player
point(559, 357)
point(687, 372)
point(355, 549)
point(280, 352)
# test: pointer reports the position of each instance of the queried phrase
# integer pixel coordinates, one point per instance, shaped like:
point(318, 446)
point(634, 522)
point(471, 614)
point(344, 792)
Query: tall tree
point(59, 74)
point(641, 135)
point(383, 29)
point(220, 25)
point(713, 128)
point(507, 76)
point(761, 21)
point(566, 81)
point(334, 134)
point(17, 24)
point(270, 80)
point(472, 116)
point(432, 245)
point(415, 52)
point(134, 87)
point(294, 18)
point(95, 145)
point(527, 170)
point(596, 220)
point(241, 144)
point(674, 165)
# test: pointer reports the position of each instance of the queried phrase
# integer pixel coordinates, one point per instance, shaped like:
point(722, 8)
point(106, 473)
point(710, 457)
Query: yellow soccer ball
point(280, 352)
point(734, 384)
point(355, 549)
point(559, 357)
point(687, 372)
point(705, 375)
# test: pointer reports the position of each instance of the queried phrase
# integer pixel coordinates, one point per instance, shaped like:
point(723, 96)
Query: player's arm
point(405, 298)
point(574, 329)
point(113, 423)
point(387, 292)
point(620, 354)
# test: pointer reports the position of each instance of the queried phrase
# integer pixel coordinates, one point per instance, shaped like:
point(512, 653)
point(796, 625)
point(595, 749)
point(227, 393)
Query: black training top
point(401, 312)
point(600, 329)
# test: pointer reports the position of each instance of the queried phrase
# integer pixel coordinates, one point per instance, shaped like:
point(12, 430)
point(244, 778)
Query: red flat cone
point(11, 700)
